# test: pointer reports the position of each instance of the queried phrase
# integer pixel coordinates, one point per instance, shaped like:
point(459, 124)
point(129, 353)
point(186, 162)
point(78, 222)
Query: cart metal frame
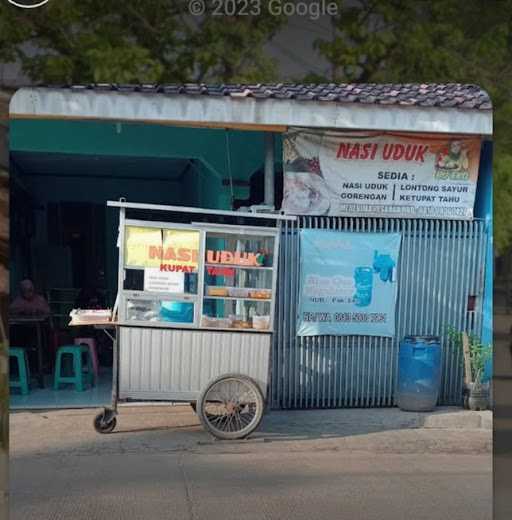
point(210, 395)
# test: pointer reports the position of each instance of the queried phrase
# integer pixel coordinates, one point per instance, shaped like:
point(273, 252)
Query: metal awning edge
point(47, 103)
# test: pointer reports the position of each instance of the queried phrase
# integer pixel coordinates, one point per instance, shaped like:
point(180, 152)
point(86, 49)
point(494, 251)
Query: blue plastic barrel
point(419, 373)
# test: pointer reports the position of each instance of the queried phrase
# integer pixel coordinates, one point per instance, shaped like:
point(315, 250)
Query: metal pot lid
point(423, 339)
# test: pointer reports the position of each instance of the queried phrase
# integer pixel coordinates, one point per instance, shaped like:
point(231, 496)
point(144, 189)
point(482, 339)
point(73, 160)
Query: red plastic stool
point(91, 343)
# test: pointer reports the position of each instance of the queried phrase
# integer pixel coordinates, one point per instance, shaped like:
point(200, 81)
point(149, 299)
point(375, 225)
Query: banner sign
point(382, 175)
point(173, 250)
point(348, 283)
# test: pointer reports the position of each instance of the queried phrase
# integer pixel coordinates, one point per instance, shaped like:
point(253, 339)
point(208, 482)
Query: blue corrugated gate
point(441, 266)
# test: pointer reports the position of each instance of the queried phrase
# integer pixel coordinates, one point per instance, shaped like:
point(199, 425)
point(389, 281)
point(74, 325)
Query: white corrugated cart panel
point(172, 364)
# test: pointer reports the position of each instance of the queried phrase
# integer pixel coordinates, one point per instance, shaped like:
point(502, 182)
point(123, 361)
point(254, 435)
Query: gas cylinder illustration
point(363, 277)
point(384, 266)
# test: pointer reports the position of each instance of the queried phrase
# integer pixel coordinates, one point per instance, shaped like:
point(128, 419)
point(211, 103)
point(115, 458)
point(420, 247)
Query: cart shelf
point(234, 329)
point(235, 298)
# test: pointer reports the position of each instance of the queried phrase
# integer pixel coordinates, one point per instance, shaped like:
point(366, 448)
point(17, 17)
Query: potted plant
point(475, 355)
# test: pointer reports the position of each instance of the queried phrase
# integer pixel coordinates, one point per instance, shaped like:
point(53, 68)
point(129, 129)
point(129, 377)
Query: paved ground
point(343, 464)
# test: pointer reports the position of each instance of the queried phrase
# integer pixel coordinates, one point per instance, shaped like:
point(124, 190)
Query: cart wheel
point(193, 405)
point(104, 427)
point(231, 407)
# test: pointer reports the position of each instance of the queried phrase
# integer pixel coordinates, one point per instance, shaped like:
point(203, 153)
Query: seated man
point(29, 303)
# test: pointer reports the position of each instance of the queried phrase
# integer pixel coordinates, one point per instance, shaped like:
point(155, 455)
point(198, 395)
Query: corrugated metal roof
point(449, 95)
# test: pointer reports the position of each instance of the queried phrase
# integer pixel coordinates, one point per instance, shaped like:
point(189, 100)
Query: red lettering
point(184, 255)
point(178, 268)
point(251, 259)
point(388, 150)
point(231, 257)
point(398, 152)
point(410, 151)
point(226, 257)
point(354, 153)
point(421, 152)
point(357, 151)
point(213, 257)
point(365, 151)
point(343, 150)
point(169, 254)
point(221, 271)
point(155, 252)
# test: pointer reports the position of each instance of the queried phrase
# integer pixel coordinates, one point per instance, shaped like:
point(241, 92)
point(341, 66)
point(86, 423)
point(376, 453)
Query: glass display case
point(208, 277)
point(238, 280)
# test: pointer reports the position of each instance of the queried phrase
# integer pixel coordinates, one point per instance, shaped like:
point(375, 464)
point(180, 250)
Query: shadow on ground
point(171, 429)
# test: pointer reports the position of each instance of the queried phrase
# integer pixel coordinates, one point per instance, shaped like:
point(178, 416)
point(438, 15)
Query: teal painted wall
point(140, 140)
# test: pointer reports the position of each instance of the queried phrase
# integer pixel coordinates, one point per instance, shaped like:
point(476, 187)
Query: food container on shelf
point(206, 321)
point(261, 322)
point(238, 322)
point(244, 325)
point(92, 315)
point(238, 292)
point(261, 294)
point(221, 323)
point(217, 291)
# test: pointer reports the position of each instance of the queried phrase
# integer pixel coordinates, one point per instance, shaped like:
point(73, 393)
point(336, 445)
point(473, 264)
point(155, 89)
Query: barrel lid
point(423, 339)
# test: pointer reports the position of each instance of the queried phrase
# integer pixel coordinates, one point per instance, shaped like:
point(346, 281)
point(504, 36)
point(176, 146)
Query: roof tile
point(427, 95)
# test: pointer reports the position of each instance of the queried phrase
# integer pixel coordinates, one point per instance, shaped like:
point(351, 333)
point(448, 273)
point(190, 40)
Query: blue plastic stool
point(80, 376)
point(20, 355)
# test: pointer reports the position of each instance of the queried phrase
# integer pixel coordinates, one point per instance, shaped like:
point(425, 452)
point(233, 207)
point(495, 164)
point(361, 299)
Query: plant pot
point(465, 398)
point(478, 398)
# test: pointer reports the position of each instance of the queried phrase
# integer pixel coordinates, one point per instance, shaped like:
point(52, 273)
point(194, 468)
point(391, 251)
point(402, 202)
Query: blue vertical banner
point(348, 283)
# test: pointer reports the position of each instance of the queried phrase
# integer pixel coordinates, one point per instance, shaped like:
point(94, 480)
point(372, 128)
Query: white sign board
point(372, 174)
point(163, 281)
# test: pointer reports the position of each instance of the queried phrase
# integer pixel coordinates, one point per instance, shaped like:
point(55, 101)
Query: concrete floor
point(66, 397)
point(340, 464)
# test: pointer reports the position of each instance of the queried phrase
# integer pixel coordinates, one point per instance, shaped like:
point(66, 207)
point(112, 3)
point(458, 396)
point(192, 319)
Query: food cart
point(195, 315)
